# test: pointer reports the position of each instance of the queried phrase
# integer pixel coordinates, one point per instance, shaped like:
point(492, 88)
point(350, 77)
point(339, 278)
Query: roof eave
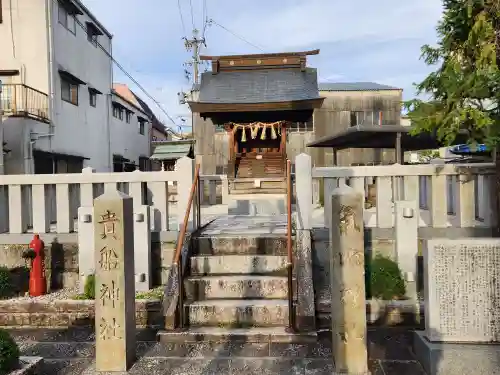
point(93, 18)
point(206, 107)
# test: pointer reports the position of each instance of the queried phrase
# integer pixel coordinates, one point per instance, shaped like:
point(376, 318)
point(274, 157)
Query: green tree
point(464, 89)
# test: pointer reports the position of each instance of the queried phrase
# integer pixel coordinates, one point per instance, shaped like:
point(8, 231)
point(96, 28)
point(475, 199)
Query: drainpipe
point(108, 110)
point(51, 46)
point(2, 169)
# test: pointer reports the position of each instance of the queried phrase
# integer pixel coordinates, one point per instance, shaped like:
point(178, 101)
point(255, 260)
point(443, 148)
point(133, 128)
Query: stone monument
point(115, 289)
point(347, 282)
point(462, 307)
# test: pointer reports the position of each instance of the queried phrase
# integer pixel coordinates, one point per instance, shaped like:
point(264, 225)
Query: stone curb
point(66, 313)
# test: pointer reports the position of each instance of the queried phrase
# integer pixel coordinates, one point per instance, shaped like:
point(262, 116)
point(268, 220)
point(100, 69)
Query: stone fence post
point(347, 281)
point(406, 233)
point(185, 167)
point(306, 319)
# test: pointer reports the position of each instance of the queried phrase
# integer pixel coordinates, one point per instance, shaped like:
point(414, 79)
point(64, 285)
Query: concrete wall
point(62, 259)
point(126, 139)
point(24, 42)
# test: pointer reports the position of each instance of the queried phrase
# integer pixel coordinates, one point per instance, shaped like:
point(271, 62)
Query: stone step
point(238, 313)
point(246, 335)
point(254, 190)
point(257, 204)
point(241, 245)
point(235, 287)
point(239, 264)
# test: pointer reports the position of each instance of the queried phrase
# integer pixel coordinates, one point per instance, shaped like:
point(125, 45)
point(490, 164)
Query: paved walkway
point(71, 352)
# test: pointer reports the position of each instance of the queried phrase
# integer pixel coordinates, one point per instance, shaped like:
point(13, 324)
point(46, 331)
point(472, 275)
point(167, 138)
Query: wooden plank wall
point(331, 118)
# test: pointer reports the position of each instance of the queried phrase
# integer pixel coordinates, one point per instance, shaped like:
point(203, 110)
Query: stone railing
point(49, 203)
point(449, 195)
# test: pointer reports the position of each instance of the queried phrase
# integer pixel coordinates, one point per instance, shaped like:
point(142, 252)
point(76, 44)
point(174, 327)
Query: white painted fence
point(49, 203)
point(450, 195)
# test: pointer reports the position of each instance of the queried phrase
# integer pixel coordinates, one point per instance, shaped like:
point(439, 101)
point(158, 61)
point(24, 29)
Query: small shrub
point(6, 286)
point(384, 279)
point(28, 254)
point(9, 353)
point(89, 288)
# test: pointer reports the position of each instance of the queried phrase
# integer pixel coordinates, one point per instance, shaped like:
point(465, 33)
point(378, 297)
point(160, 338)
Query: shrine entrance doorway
point(257, 150)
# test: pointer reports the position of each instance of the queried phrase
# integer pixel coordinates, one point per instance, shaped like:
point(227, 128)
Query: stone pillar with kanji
point(114, 282)
point(347, 281)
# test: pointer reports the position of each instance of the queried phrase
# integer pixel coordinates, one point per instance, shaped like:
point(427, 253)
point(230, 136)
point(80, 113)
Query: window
point(299, 127)
point(128, 116)
point(144, 164)
point(69, 91)
point(67, 20)
point(118, 111)
point(365, 118)
point(92, 98)
point(142, 127)
point(93, 38)
point(92, 34)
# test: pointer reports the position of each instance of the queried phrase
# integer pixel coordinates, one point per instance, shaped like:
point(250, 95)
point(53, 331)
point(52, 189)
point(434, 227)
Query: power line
point(182, 18)
point(204, 18)
point(212, 21)
point(192, 13)
point(125, 72)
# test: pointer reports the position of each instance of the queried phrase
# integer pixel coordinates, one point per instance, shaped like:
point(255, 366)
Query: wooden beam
point(200, 107)
point(261, 55)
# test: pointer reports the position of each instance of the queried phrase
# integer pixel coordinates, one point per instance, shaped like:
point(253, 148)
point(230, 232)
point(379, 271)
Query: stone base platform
point(456, 358)
point(262, 335)
point(71, 351)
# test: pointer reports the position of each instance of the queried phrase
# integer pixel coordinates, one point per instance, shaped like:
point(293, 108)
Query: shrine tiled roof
point(259, 86)
point(354, 86)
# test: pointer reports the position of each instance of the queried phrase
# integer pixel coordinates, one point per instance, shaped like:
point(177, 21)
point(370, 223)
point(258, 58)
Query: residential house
point(56, 70)
point(57, 92)
point(131, 131)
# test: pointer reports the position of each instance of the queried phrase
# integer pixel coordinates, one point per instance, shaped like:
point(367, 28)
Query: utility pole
point(194, 44)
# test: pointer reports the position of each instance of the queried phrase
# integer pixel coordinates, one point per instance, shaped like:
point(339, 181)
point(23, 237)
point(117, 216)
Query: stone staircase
point(237, 283)
point(268, 185)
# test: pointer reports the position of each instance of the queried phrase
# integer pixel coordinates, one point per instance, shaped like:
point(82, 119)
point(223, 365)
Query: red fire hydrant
point(38, 286)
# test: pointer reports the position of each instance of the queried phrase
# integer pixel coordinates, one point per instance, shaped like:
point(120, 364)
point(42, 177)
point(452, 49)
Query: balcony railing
point(24, 101)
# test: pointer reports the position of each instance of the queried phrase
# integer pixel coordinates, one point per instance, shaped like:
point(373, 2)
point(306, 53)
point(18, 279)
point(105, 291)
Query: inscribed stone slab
point(114, 283)
point(462, 290)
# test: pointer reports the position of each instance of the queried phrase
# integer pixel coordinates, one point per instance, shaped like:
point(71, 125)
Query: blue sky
point(360, 40)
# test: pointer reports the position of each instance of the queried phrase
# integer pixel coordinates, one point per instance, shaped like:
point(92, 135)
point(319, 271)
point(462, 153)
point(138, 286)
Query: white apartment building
point(57, 97)
point(131, 129)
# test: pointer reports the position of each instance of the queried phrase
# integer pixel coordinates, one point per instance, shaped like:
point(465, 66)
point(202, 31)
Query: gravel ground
point(66, 293)
point(70, 293)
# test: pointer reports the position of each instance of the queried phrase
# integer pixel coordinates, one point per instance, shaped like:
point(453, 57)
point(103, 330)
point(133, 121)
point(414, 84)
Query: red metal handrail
point(291, 310)
point(178, 249)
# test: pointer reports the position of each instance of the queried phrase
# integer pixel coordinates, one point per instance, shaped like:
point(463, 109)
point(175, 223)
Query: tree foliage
point(464, 89)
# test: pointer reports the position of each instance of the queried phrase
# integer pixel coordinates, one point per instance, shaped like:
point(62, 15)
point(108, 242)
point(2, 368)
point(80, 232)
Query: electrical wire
point(129, 76)
point(204, 18)
point(192, 14)
point(182, 18)
point(212, 21)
